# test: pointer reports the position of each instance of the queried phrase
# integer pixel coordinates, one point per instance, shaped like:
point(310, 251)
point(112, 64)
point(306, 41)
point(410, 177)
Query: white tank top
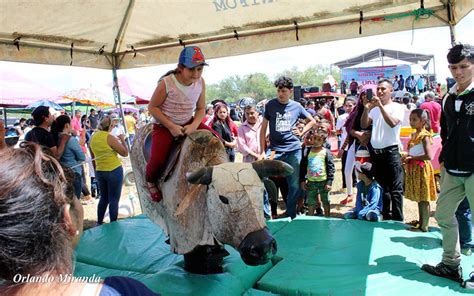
point(181, 100)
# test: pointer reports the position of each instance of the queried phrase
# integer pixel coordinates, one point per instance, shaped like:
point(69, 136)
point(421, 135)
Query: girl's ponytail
point(174, 71)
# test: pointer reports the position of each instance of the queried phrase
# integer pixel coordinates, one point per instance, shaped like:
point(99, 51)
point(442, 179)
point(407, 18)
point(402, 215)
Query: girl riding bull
point(178, 106)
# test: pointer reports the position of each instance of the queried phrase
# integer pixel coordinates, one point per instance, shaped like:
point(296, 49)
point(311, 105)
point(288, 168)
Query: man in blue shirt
point(282, 115)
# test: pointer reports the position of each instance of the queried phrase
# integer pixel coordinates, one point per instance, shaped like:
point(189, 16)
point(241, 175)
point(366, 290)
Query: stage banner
point(370, 75)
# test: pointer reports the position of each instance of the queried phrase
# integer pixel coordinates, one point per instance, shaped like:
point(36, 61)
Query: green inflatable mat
point(350, 257)
point(276, 225)
point(316, 256)
point(136, 248)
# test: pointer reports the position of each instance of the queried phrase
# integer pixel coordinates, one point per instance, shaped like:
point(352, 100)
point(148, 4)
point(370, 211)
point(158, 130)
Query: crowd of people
point(284, 130)
point(42, 222)
point(410, 84)
point(88, 145)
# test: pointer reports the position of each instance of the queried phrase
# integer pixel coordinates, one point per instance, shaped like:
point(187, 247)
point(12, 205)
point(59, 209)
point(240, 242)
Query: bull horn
point(201, 176)
point(267, 168)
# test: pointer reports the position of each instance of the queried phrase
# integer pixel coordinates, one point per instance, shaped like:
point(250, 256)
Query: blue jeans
point(463, 215)
point(266, 205)
point(372, 216)
point(292, 158)
point(77, 184)
point(110, 186)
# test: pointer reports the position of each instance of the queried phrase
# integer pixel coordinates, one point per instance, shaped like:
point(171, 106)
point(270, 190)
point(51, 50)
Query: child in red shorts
point(178, 106)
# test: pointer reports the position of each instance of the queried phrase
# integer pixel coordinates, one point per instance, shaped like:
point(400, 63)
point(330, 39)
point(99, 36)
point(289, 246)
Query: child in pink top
point(178, 106)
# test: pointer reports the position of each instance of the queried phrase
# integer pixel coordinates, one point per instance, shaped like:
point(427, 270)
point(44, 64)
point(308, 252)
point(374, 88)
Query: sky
point(435, 41)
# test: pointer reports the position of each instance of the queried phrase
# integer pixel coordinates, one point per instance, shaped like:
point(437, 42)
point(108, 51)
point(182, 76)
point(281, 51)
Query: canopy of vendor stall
point(16, 90)
point(380, 53)
point(124, 34)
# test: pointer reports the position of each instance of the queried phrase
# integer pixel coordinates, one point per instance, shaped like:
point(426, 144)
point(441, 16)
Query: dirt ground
point(410, 208)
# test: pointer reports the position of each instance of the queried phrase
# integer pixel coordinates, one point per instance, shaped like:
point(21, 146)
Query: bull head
point(264, 168)
point(235, 205)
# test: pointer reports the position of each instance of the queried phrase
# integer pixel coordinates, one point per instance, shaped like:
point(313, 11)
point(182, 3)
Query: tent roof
point(135, 33)
point(16, 90)
point(378, 53)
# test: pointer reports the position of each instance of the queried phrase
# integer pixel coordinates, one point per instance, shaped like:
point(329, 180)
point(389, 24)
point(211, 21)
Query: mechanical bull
point(208, 201)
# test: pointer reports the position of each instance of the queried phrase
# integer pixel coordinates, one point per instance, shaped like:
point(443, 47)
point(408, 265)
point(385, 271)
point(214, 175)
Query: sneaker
point(414, 223)
point(469, 284)
point(319, 212)
point(442, 270)
point(466, 252)
point(417, 229)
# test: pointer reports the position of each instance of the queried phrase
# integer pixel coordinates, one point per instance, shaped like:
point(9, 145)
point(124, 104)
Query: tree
point(212, 92)
point(259, 86)
point(229, 88)
point(311, 76)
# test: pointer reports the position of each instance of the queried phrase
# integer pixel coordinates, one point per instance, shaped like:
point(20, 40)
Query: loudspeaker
point(297, 92)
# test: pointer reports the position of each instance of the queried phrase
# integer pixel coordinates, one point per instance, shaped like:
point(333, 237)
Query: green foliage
point(311, 76)
point(259, 86)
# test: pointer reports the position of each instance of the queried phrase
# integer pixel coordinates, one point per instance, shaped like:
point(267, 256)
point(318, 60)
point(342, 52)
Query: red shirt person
point(434, 109)
point(353, 87)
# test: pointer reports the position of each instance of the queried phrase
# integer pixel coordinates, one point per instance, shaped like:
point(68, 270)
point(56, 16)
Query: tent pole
point(118, 102)
point(452, 33)
point(5, 115)
point(451, 21)
point(116, 63)
point(381, 56)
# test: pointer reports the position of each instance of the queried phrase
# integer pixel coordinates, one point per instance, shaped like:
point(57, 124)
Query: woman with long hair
point(108, 167)
point(41, 222)
point(356, 137)
point(73, 156)
point(221, 124)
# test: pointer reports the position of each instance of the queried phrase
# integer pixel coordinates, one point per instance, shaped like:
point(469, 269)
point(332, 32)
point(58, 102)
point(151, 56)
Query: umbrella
point(141, 101)
point(19, 91)
point(133, 100)
point(135, 90)
point(126, 108)
point(90, 96)
point(44, 103)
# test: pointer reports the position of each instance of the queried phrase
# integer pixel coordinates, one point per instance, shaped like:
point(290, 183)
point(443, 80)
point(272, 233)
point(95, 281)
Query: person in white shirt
point(386, 117)
point(347, 180)
point(118, 128)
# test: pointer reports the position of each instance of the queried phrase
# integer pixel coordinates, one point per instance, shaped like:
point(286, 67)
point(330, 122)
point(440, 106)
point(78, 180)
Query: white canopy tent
point(418, 62)
point(121, 34)
point(125, 34)
point(381, 54)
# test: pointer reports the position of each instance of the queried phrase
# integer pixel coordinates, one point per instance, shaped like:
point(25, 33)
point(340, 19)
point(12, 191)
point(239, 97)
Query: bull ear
point(201, 176)
point(267, 168)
